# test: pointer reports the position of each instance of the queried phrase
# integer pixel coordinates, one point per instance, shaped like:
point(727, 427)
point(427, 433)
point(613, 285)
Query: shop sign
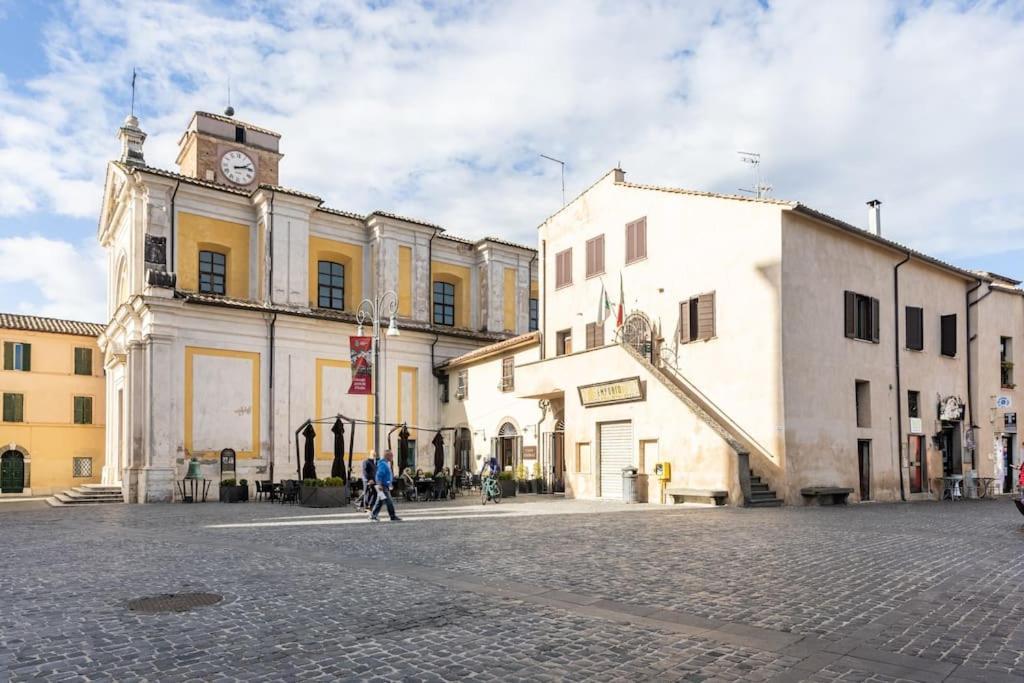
point(1010, 423)
point(529, 452)
point(361, 353)
point(616, 391)
point(951, 409)
point(227, 460)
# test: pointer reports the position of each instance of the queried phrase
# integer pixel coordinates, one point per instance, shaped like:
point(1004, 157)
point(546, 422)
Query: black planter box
point(323, 496)
point(539, 486)
point(234, 494)
point(508, 487)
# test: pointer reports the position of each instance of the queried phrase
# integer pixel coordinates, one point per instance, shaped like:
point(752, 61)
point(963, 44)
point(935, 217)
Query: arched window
point(213, 268)
point(444, 303)
point(331, 285)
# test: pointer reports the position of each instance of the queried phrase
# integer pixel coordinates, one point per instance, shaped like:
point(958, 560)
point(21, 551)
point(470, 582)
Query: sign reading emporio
point(616, 391)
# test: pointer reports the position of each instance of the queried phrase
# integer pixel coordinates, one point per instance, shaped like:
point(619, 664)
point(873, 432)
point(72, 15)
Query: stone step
point(759, 487)
point(765, 503)
point(86, 493)
point(76, 497)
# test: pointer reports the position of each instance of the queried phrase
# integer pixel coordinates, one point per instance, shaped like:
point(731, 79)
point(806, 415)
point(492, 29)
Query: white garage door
point(616, 443)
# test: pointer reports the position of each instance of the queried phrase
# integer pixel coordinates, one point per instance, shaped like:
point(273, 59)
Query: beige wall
point(822, 365)
point(695, 244)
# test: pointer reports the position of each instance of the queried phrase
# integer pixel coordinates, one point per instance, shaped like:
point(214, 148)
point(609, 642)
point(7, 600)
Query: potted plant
point(521, 478)
point(233, 492)
point(323, 493)
point(538, 480)
point(507, 484)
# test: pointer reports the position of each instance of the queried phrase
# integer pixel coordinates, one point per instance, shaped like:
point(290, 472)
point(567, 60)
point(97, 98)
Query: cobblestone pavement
point(532, 589)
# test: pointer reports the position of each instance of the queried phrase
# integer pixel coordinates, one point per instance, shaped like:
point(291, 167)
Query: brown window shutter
point(851, 314)
point(599, 334)
point(948, 335)
point(8, 355)
point(684, 321)
point(640, 251)
point(568, 266)
point(599, 255)
point(630, 242)
point(706, 316)
point(590, 335)
point(875, 319)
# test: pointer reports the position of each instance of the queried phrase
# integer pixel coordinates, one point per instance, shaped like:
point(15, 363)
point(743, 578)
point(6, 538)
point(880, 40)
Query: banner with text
point(360, 349)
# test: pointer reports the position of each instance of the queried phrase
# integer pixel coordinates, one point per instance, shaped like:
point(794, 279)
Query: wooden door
point(12, 472)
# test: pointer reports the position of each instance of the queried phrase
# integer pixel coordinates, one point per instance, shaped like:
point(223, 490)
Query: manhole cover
point(173, 602)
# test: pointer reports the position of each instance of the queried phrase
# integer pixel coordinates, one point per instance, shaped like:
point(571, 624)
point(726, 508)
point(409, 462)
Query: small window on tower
point(239, 134)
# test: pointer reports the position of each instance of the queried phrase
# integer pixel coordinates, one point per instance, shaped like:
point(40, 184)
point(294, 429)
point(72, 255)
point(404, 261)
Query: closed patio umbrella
point(338, 466)
point(403, 448)
point(308, 468)
point(438, 452)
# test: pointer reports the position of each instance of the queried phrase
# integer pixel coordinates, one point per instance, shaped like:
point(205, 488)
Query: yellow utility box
point(663, 471)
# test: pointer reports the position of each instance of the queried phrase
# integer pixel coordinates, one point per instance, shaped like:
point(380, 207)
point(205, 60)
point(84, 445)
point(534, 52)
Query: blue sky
point(440, 110)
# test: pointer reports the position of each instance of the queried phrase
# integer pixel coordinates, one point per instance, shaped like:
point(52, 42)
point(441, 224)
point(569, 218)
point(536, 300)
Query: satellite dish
point(230, 111)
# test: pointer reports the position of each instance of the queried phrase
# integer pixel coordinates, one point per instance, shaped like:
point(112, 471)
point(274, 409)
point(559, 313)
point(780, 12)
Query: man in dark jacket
point(369, 477)
point(384, 479)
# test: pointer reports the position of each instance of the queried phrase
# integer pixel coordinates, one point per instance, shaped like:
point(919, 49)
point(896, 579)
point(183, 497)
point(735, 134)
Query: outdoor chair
point(289, 491)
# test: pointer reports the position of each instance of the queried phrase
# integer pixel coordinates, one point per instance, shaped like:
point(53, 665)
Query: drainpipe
point(896, 354)
point(529, 288)
point(544, 300)
point(171, 265)
point(970, 374)
point(430, 281)
point(270, 422)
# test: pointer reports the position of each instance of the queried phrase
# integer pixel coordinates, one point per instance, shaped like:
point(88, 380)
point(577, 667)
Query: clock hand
point(246, 167)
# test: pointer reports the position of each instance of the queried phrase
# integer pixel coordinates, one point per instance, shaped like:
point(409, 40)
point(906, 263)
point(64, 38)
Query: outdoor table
point(190, 489)
point(951, 487)
point(424, 486)
point(984, 485)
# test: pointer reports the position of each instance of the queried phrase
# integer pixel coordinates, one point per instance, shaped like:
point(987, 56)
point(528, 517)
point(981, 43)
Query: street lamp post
point(372, 311)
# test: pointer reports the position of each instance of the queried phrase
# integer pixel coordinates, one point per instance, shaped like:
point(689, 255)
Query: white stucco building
point(232, 300)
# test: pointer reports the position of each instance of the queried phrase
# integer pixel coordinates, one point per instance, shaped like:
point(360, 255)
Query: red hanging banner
point(360, 350)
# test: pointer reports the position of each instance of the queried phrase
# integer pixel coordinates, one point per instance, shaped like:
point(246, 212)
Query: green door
point(12, 472)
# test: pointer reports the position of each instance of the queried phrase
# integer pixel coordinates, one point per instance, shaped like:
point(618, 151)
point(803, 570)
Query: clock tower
point(223, 150)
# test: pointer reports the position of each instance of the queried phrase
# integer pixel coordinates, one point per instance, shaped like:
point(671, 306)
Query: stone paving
point(533, 589)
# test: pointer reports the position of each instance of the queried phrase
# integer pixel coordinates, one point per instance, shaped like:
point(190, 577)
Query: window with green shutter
point(14, 407)
point(17, 356)
point(83, 410)
point(83, 361)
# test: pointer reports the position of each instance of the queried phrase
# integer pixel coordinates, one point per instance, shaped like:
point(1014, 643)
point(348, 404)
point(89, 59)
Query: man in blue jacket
point(385, 479)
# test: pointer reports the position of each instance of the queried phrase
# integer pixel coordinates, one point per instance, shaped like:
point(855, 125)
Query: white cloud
point(441, 113)
point(68, 280)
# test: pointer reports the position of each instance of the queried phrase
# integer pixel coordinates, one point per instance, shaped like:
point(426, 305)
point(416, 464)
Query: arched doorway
point(508, 446)
point(638, 332)
point(12, 472)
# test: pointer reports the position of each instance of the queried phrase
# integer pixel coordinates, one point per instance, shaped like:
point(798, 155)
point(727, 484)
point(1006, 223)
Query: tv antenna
point(230, 111)
point(133, 91)
point(562, 164)
point(761, 188)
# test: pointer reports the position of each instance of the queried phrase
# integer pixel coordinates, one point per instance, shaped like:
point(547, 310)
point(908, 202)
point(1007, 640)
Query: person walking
point(369, 476)
point(384, 481)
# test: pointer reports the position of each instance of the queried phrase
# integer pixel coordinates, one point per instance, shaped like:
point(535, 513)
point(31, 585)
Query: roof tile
point(32, 323)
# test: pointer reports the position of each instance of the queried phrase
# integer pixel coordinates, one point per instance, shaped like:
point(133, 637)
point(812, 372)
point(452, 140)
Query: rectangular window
point(443, 383)
point(81, 468)
point(563, 268)
point(947, 329)
point(915, 328)
point(444, 304)
point(913, 404)
point(918, 463)
point(862, 402)
point(595, 256)
point(864, 467)
point(563, 342)
point(240, 134)
point(636, 240)
point(595, 335)
point(1006, 362)
point(861, 317)
point(83, 410)
point(17, 356)
point(697, 318)
point(212, 272)
point(14, 407)
point(462, 385)
point(534, 317)
point(330, 285)
point(83, 361)
point(508, 377)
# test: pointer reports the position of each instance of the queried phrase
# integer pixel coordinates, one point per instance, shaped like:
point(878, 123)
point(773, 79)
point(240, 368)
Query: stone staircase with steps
point(760, 495)
point(87, 494)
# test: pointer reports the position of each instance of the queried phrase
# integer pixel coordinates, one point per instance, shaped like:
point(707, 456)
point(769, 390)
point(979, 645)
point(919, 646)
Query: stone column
point(135, 382)
point(158, 473)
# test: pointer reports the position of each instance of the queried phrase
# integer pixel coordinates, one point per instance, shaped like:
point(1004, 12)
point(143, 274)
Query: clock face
point(238, 167)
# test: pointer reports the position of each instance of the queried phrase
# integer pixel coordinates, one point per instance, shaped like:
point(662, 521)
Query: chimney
point(131, 137)
point(875, 217)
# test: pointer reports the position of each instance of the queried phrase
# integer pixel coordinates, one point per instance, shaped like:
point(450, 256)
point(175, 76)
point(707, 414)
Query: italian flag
point(622, 298)
point(604, 306)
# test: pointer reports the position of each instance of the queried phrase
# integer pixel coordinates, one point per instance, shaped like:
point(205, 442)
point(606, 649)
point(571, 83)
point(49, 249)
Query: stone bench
point(698, 496)
point(825, 495)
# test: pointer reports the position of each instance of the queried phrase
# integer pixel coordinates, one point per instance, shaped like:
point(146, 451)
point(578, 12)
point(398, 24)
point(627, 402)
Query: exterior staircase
point(87, 494)
point(760, 495)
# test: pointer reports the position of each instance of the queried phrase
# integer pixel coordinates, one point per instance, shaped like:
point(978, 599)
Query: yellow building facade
point(52, 425)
